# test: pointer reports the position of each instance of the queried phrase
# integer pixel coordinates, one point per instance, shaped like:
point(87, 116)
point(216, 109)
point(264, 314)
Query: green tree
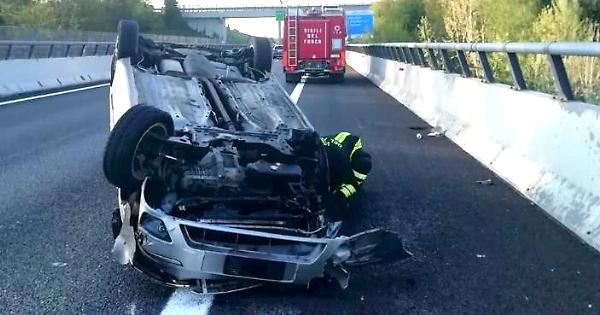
point(434, 13)
point(397, 20)
point(591, 9)
point(172, 16)
point(509, 20)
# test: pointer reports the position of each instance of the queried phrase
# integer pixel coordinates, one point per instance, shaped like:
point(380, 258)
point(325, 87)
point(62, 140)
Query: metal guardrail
point(10, 49)
point(413, 53)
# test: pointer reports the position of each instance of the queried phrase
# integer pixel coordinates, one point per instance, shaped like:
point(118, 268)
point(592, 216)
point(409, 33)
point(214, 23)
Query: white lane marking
point(183, 302)
point(53, 94)
point(297, 91)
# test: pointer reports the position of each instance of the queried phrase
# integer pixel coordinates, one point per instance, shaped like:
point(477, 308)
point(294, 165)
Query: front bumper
point(216, 252)
point(317, 67)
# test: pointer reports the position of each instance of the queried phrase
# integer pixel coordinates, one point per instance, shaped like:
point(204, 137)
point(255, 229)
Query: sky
point(266, 27)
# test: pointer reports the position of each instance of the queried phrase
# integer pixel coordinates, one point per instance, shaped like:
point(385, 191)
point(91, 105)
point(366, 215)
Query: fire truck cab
point(314, 43)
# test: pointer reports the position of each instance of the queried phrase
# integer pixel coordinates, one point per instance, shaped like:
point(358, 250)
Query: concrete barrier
point(30, 76)
point(546, 149)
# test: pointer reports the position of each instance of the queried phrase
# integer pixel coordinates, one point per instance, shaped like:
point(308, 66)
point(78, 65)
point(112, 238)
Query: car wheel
point(130, 145)
point(292, 77)
point(127, 45)
point(263, 54)
point(127, 40)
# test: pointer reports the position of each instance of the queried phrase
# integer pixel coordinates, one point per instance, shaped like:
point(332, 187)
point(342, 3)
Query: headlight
point(155, 227)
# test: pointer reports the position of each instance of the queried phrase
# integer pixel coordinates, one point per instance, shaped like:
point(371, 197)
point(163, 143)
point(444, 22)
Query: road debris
point(419, 136)
point(480, 255)
point(59, 264)
point(485, 182)
point(435, 132)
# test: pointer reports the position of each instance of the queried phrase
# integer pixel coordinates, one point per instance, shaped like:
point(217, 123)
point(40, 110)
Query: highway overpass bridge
point(211, 20)
point(479, 248)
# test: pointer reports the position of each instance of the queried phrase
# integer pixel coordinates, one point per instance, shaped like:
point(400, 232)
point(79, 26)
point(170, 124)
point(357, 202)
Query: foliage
point(93, 15)
point(502, 21)
point(398, 20)
point(236, 37)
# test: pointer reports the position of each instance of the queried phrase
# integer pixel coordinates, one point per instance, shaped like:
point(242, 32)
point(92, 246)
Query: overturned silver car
point(222, 181)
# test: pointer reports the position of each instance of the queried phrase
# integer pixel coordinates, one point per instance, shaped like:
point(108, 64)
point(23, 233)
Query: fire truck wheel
point(292, 77)
point(263, 54)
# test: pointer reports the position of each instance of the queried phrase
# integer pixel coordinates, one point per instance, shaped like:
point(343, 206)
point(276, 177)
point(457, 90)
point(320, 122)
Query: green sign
point(279, 14)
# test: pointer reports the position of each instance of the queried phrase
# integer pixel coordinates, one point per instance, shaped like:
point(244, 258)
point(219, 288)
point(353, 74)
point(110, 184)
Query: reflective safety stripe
point(357, 146)
point(360, 176)
point(340, 137)
point(348, 190)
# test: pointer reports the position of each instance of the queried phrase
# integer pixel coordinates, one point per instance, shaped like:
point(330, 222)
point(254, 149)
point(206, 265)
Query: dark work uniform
point(340, 148)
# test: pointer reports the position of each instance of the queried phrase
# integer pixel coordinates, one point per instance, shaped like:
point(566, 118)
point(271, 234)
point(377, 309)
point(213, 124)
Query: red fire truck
point(314, 43)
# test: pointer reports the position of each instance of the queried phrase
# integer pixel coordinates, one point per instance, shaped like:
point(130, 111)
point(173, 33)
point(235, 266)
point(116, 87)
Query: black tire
point(127, 45)
point(127, 40)
point(336, 77)
point(263, 54)
point(126, 137)
point(292, 77)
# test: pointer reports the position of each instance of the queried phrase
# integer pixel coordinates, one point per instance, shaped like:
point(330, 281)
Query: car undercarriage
point(223, 183)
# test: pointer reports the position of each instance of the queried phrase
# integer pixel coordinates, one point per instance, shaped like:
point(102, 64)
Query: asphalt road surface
point(478, 249)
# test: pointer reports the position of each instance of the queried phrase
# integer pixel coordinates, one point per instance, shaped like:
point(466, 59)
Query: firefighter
point(349, 166)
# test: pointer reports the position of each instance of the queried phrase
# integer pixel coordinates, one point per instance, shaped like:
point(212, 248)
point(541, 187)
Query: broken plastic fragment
point(59, 264)
point(435, 134)
point(339, 274)
point(485, 182)
point(124, 246)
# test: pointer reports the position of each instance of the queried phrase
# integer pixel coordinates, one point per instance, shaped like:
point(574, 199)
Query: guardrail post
point(8, 50)
point(433, 60)
point(408, 55)
point(561, 78)
point(31, 47)
point(50, 49)
point(488, 73)
point(414, 57)
point(401, 54)
point(396, 52)
point(421, 57)
point(405, 57)
point(82, 50)
point(107, 49)
point(67, 50)
point(96, 49)
point(464, 65)
point(391, 53)
point(517, 73)
point(446, 61)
